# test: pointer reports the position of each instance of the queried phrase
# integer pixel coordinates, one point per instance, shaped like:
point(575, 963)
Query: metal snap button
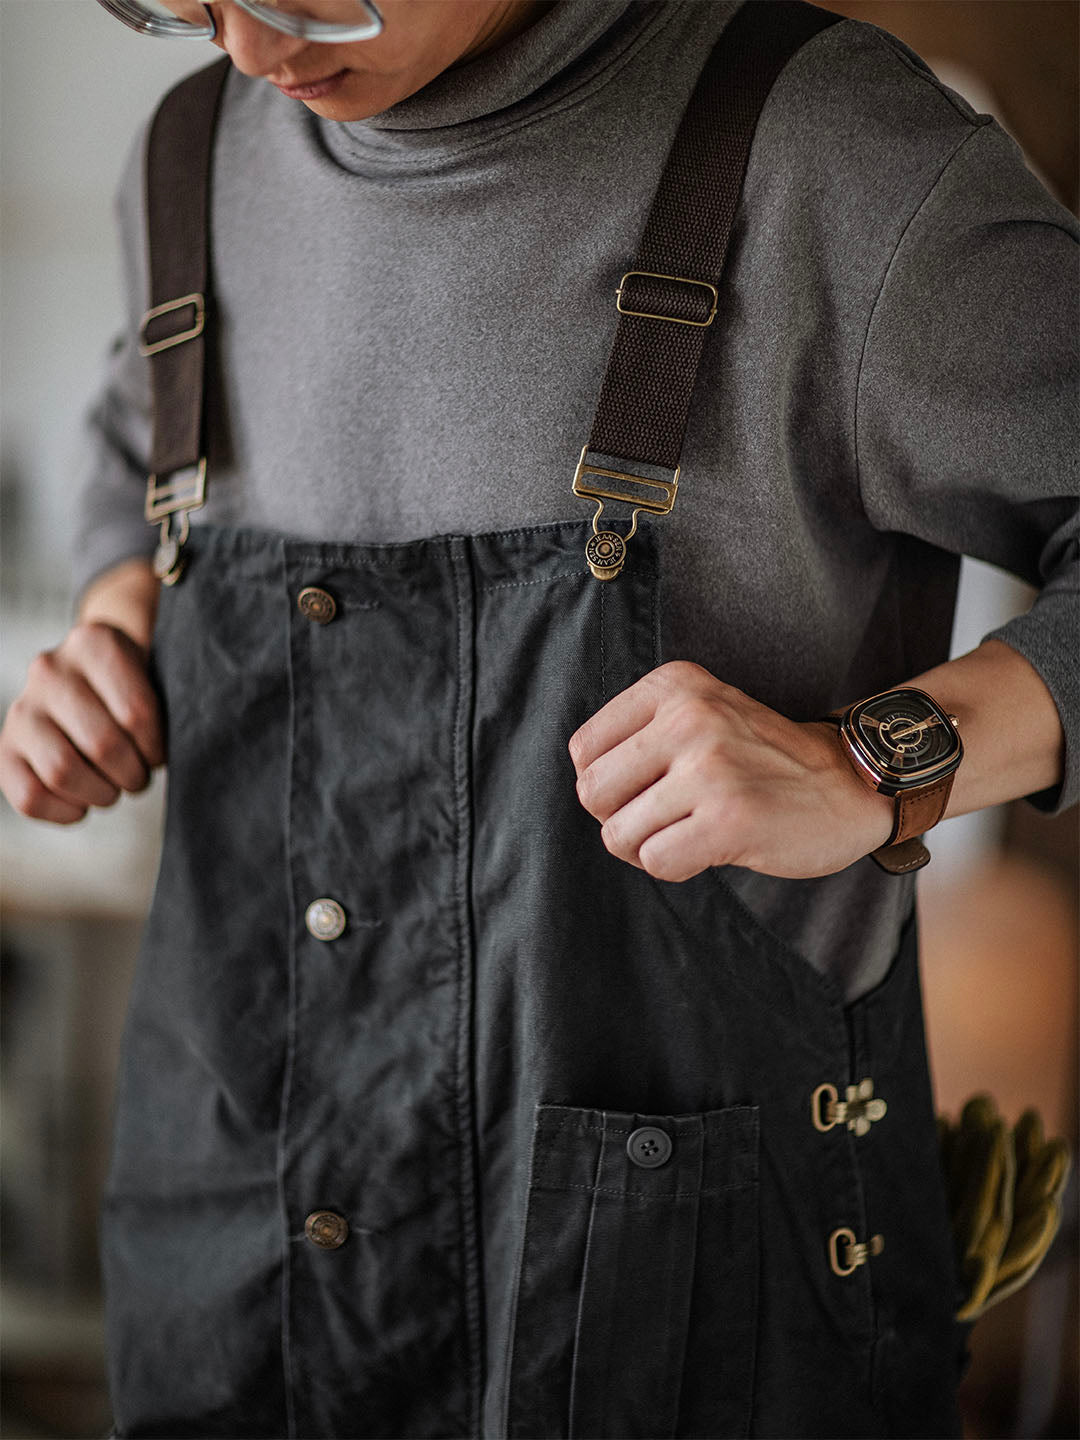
point(605, 554)
point(649, 1147)
point(317, 605)
point(325, 919)
point(325, 1229)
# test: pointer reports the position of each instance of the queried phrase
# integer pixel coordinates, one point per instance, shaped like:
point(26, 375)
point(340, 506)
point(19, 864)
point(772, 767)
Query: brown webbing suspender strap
point(667, 300)
point(173, 330)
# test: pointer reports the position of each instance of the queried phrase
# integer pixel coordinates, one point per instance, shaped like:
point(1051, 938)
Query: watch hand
point(913, 728)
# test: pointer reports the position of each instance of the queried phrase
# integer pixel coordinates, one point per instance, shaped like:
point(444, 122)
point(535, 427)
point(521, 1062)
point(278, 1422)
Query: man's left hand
point(684, 772)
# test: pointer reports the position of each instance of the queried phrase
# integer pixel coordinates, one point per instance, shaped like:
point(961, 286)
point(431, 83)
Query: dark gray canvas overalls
point(437, 1120)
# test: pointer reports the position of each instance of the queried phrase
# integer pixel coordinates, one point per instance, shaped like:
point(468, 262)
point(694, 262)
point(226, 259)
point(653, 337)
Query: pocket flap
point(711, 1151)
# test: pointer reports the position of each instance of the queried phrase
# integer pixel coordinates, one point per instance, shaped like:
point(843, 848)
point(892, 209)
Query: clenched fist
point(685, 772)
point(87, 724)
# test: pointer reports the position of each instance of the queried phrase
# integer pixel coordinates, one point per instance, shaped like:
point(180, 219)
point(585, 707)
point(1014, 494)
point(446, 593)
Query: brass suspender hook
point(173, 496)
point(605, 552)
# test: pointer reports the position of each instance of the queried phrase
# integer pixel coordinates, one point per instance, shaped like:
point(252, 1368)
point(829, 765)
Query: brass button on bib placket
point(326, 1229)
point(316, 605)
point(325, 919)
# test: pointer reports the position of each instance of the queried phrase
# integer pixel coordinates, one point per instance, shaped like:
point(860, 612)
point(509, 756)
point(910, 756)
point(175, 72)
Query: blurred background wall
point(998, 904)
point(74, 88)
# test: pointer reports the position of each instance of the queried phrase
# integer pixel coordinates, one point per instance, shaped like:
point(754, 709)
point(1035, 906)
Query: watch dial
point(905, 733)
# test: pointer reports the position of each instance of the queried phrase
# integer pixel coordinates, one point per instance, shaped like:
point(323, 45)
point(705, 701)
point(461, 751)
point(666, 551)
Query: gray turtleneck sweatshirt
point(416, 311)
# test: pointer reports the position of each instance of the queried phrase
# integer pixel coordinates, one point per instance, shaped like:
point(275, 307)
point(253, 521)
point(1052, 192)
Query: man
point(446, 1109)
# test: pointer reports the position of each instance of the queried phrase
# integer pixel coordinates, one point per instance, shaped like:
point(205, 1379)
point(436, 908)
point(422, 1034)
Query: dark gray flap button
point(649, 1147)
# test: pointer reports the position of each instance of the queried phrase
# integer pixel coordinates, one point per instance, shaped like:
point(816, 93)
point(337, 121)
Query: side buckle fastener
point(854, 1252)
point(858, 1111)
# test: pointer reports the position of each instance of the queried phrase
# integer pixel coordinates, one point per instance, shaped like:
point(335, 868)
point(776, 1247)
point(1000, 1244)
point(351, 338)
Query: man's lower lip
point(314, 89)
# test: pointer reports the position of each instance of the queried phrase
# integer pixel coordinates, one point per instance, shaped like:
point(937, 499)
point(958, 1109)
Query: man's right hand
point(87, 724)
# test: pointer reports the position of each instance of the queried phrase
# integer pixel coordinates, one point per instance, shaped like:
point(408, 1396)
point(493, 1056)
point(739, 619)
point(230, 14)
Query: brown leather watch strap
point(920, 810)
point(902, 859)
point(913, 814)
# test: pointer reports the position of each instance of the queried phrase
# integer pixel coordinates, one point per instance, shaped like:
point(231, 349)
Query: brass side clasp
point(858, 1111)
point(846, 1253)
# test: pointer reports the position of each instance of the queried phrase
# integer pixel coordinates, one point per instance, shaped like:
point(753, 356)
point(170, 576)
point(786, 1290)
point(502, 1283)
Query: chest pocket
point(636, 1307)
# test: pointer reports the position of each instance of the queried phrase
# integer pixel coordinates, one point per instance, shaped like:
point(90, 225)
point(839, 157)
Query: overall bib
point(434, 1119)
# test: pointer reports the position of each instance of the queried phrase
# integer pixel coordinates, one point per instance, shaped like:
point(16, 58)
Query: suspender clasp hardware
point(685, 319)
point(168, 561)
point(147, 346)
point(179, 494)
point(606, 550)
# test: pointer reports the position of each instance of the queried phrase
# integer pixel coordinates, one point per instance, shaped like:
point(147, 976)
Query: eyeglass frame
point(282, 21)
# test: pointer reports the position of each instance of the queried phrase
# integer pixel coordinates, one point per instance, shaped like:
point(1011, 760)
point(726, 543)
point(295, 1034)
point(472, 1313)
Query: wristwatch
point(903, 744)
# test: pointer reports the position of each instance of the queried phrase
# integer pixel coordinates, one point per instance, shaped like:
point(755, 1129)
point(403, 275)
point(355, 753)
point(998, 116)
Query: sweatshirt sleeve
point(967, 411)
point(117, 433)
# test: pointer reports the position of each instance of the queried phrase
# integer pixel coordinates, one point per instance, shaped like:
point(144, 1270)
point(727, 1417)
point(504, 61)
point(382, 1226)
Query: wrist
point(865, 814)
point(125, 597)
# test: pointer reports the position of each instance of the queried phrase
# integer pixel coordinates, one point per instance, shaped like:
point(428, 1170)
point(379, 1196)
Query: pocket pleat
point(637, 1289)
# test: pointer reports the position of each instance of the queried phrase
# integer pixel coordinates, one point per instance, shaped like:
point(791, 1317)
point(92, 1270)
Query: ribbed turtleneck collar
point(548, 51)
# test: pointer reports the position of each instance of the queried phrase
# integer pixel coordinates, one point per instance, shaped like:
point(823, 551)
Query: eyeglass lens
point(314, 18)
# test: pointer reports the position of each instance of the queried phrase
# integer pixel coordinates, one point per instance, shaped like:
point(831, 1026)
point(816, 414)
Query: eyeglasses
point(326, 21)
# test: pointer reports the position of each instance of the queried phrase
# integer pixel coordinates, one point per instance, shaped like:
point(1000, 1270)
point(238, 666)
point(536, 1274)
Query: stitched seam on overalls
point(649, 1195)
point(290, 1042)
point(596, 1188)
point(582, 1125)
point(524, 584)
point(511, 1329)
point(603, 657)
point(463, 1018)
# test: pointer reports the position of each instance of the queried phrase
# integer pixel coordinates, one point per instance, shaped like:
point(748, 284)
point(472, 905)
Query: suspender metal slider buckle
point(606, 550)
point(148, 346)
point(655, 294)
